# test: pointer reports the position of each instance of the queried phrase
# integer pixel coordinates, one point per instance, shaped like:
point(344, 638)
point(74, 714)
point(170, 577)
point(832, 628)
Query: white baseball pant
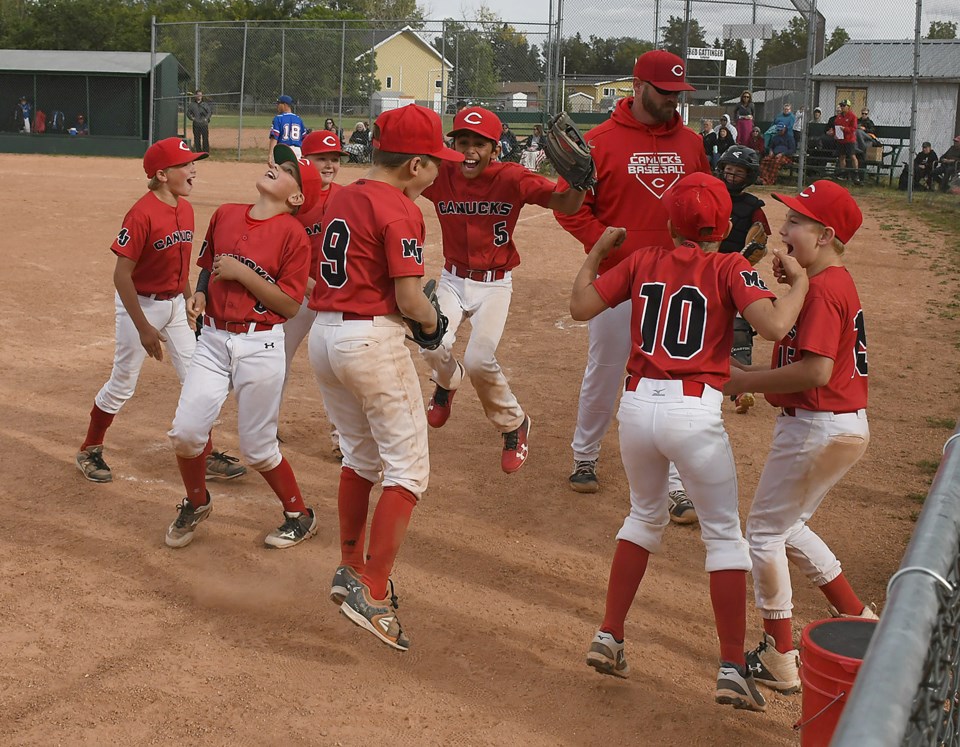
point(170, 317)
point(252, 364)
point(486, 305)
point(372, 394)
point(660, 425)
point(811, 452)
point(608, 350)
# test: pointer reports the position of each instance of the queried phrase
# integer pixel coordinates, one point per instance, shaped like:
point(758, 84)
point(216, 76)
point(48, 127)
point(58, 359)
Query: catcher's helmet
point(739, 155)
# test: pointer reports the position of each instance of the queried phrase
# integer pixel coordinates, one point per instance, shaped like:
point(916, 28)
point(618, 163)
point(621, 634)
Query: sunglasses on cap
point(661, 91)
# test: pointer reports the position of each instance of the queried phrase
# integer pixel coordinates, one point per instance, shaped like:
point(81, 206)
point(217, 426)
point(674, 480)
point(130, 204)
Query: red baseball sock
point(387, 530)
point(353, 501)
point(284, 484)
point(728, 593)
point(193, 472)
point(626, 572)
point(99, 422)
point(840, 594)
point(782, 633)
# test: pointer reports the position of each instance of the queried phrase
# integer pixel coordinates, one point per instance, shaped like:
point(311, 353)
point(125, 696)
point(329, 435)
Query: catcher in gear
point(738, 168)
point(569, 153)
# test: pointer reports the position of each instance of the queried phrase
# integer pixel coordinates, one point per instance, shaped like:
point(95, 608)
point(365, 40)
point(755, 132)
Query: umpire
point(199, 112)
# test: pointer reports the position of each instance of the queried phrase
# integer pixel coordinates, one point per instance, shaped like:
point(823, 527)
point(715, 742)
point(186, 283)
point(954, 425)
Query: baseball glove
point(417, 335)
point(756, 245)
point(569, 153)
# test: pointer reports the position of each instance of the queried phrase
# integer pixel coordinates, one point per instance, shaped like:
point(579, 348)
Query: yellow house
point(599, 89)
point(409, 69)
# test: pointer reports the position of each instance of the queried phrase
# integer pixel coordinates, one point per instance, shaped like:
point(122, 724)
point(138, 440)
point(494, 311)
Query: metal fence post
point(913, 100)
point(808, 92)
point(243, 77)
point(153, 75)
point(283, 59)
point(343, 52)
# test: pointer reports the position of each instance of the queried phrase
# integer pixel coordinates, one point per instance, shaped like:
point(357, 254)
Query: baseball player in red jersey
point(845, 131)
point(478, 202)
point(152, 279)
point(818, 377)
point(369, 273)
point(640, 152)
point(253, 273)
point(323, 151)
point(683, 298)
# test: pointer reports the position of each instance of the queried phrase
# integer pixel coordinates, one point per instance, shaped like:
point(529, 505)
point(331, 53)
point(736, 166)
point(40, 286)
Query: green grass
point(917, 497)
point(928, 466)
point(946, 423)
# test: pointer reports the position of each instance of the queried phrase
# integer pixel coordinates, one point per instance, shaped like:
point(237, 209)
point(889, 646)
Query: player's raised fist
point(609, 240)
point(786, 269)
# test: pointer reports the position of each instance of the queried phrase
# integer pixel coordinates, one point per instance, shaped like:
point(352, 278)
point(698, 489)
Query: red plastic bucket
point(831, 652)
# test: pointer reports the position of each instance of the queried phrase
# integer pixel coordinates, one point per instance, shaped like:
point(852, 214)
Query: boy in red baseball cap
point(153, 289)
point(369, 273)
point(478, 203)
point(684, 298)
point(322, 150)
point(818, 379)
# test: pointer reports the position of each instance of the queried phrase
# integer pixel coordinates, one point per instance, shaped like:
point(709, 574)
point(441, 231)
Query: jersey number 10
point(683, 325)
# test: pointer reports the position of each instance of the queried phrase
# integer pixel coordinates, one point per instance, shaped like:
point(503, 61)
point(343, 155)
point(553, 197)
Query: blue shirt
point(287, 129)
point(24, 110)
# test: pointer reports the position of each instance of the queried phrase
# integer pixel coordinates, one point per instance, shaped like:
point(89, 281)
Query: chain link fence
point(350, 71)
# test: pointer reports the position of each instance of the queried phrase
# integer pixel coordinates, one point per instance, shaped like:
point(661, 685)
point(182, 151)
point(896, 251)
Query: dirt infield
point(110, 637)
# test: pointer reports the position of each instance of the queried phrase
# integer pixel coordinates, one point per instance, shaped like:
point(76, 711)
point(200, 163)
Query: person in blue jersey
point(287, 127)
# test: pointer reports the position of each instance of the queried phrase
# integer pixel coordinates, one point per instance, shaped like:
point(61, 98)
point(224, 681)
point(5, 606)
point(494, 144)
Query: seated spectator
point(725, 139)
point(756, 142)
point(947, 166)
point(709, 137)
point(726, 124)
point(533, 154)
point(508, 144)
point(865, 122)
point(818, 115)
point(923, 167)
point(359, 145)
point(331, 126)
point(782, 150)
point(788, 119)
point(80, 126)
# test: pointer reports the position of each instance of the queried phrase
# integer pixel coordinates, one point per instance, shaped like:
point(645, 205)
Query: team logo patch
point(473, 118)
point(752, 279)
point(656, 171)
point(412, 249)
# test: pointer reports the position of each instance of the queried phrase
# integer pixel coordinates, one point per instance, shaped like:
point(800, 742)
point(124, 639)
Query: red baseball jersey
point(276, 249)
point(830, 324)
point(848, 121)
point(684, 301)
point(159, 238)
point(312, 221)
point(636, 165)
point(372, 233)
point(477, 216)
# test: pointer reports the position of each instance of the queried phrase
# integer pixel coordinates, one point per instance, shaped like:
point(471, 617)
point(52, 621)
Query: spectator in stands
point(788, 119)
point(80, 126)
point(533, 154)
point(709, 136)
point(798, 124)
point(725, 139)
point(23, 109)
point(923, 167)
point(359, 145)
point(508, 143)
point(725, 123)
point(865, 121)
point(947, 166)
point(817, 115)
point(756, 142)
point(331, 126)
point(743, 115)
point(782, 150)
point(845, 128)
point(199, 112)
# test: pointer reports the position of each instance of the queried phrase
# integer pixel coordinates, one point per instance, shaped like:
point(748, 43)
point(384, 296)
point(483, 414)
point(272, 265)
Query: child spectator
point(257, 256)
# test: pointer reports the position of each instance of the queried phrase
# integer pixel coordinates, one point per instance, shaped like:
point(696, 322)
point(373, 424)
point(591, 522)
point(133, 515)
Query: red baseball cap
point(413, 130)
point(322, 141)
point(697, 202)
point(311, 183)
point(827, 203)
point(171, 151)
point(663, 70)
point(479, 120)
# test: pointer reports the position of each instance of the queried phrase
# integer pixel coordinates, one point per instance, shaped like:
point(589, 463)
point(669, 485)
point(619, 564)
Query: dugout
point(111, 89)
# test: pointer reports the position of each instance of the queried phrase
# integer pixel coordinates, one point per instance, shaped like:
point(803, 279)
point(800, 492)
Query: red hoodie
point(636, 164)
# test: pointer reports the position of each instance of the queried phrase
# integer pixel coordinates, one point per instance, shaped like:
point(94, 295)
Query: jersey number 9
point(333, 264)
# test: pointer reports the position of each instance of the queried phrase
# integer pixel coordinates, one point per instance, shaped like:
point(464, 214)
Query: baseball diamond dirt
point(107, 636)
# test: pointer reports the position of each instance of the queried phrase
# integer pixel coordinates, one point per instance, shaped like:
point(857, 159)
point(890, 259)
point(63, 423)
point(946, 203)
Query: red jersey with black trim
point(684, 301)
point(276, 249)
point(159, 238)
point(848, 121)
point(636, 165)
point(830, 324)
point(372, 233)
point(478, 216)
point(312, 220)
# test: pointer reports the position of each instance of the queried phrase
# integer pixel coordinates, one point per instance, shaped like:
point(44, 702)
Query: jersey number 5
point(333, 264)
point(683, 325)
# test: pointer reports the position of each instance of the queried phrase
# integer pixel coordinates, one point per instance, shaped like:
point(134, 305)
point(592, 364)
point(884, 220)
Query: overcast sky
point(862, 20)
